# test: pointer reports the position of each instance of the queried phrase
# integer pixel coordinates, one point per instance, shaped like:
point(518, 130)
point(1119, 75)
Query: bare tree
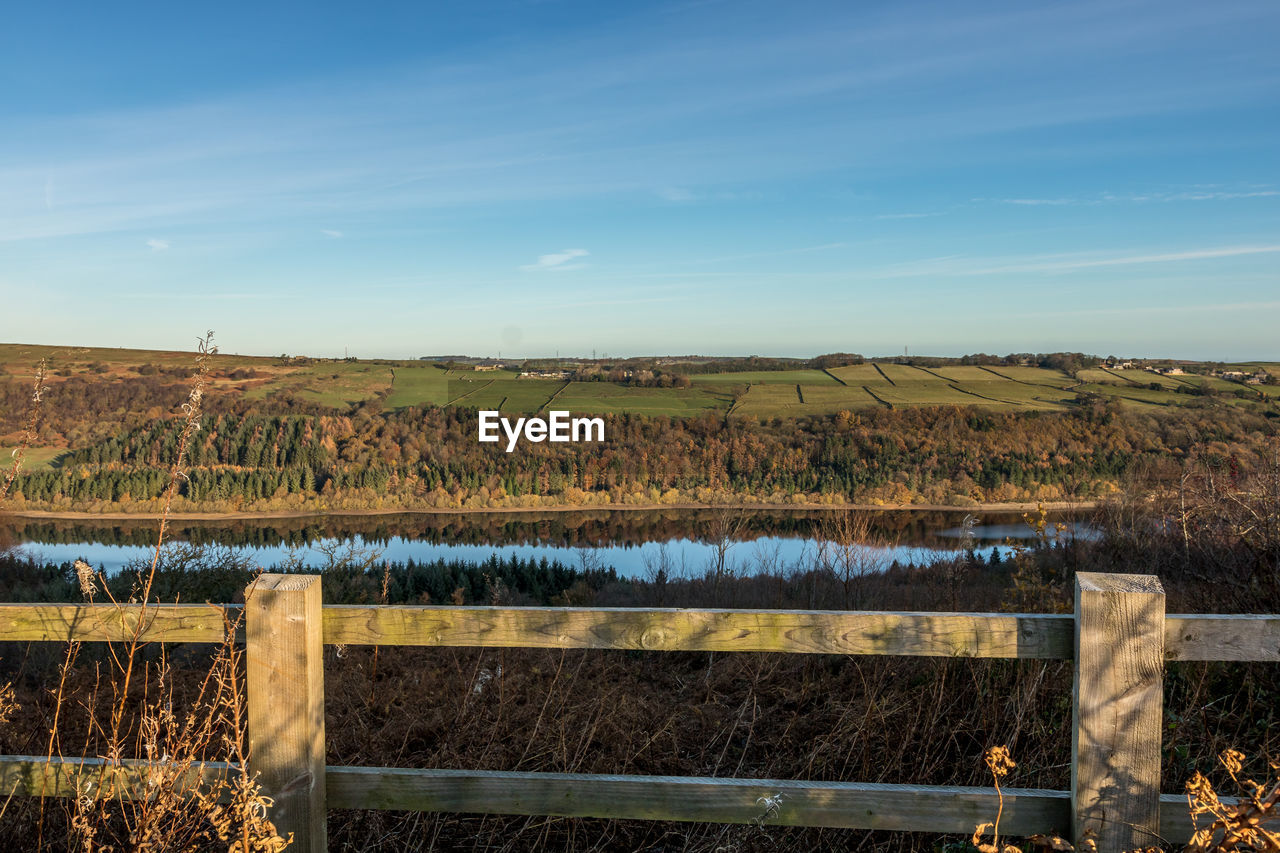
point(724, 531)
point(849, 550)
point(657, 569)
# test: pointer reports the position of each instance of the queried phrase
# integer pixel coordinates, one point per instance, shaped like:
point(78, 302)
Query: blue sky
point(721, 177)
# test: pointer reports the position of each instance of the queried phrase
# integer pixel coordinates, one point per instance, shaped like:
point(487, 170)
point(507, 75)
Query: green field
point(1032, 376)
point(35, 459)
point(858, 374)
point(770, 401)
point(1217, 384)
point(1138, 378)
point(765, 377)
point(1126, 382)
point(341, 384)
point(419, 385)
point(517, 396)
point(781, 393)
point(604, 397)
point(899, 387)
point(1134, 394)
point(828, 399)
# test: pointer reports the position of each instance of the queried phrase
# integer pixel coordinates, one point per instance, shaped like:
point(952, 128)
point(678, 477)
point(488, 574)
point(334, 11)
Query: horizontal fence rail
point(161, 623)
point(848, 805)
point(985, 635)
point(1118, 663)
point(1187, 637)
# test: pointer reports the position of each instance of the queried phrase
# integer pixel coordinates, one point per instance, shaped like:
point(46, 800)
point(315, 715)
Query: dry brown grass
point(999, 763)
point(8, 703)
point(30, 429)
point(748, 715)
point(1242, 826)
point(152, 732)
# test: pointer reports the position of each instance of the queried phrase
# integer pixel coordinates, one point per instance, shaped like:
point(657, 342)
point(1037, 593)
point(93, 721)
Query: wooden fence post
point(1117, 708)
point(284, 655)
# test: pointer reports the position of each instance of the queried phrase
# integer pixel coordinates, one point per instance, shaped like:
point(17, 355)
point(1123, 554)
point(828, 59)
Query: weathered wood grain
point(995, 635)
point(284, 657)
point(918, 808)
point(834, 804)
point(1117, 709)
point(170, 623)
point(1249, 637)
point(1227, 638)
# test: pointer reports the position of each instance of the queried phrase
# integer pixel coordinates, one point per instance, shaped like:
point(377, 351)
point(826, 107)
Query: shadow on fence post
point(284, 653)
point(1117, 708)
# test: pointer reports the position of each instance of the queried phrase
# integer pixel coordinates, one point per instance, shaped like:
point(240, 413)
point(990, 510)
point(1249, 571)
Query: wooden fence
point(1119, 638)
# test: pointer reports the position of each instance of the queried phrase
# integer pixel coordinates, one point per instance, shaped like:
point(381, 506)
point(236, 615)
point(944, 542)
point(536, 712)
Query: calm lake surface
point(634, 543)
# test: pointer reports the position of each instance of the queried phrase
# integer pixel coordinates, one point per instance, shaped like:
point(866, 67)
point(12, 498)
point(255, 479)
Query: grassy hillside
point(341, 385)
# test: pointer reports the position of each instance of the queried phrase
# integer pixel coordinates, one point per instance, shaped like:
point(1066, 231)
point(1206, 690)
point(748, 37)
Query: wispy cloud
point(906, 215)
point(676, 194)
point(959, 265)
point(157, 245)
point(557, 261)
point(800, 250)
point(213, 297)
point(1038, 202)
point(1068, 264)
point(667, 145)
point(685, 195)
point(1148, 310)
point(646, 300)
point(1135, 198)
point(1195, 195)
point(590, 113)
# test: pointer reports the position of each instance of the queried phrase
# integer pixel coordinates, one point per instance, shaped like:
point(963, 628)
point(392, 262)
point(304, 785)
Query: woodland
point(282, 454)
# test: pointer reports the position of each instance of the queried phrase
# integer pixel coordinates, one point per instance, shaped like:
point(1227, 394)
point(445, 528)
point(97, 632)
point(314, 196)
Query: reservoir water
point(635, 543)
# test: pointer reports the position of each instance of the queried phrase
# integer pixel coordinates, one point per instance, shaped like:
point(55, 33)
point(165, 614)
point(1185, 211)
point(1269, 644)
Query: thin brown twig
point(191, 411)
point(30, 429)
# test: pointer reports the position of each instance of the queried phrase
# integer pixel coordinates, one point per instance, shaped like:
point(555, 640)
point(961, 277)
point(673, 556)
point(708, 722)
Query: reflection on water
point(634, 543)
point(1001, 532)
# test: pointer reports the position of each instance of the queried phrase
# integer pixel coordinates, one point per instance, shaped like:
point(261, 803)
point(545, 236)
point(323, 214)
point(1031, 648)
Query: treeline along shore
point(429, 458)
point(289, 435)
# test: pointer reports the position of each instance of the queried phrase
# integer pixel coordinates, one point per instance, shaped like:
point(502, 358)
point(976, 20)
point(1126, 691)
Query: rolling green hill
point(342, 385)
